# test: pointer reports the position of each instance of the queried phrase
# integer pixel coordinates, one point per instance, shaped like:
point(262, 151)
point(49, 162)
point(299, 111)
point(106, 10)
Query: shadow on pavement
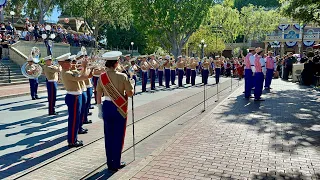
point(274, 175)
point(104, 174)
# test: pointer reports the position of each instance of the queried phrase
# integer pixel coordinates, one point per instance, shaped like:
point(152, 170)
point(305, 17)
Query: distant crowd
point(34, 31)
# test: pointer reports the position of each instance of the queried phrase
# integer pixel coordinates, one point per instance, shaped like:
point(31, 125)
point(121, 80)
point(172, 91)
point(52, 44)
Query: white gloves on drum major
point(100, 114)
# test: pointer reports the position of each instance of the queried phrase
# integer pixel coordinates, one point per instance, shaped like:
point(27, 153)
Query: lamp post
point(132, 43)
point(202, 45)
point(216, 30)
point(12, 13)
point(93, 28)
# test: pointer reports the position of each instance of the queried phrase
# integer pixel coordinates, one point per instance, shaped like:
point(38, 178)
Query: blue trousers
point(218, 71)
point(193, 77)
point(167, 77)
point(188, 75)
point(160, 76)
point(173, 77)
point(153, 79)
point(84, 111)
point(52, 96)
point(180, 77)
point(258, 81)
point(74, 103)
point(248, 82)
point(144, 81)
point(114, 133)
point(269, 76)
point(95, 82)
point(34, 87)
point(205, 75)
point(89, 96)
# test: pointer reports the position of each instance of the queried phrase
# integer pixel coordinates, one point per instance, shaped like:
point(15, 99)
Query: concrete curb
point(179, 135)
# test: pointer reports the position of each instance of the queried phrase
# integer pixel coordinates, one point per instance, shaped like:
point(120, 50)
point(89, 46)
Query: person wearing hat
point(180, 66)
point(248, 72)
point(160, 71)
point(33, 81)
point(218, 63)
point(188, 70)
point(260, 72)
point(193, 67)
point(132, 71)
point(144, 68)
point(153, 66)
point(51, 73)
point(173, 67)
point(88, 83)
point(71, 81)
point(114, 109)
point(167, 70)
point(84, 110)
point(271, 65)
point(205, 70)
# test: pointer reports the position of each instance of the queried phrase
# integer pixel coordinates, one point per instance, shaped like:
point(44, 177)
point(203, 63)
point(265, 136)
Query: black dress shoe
point(37, 97)
point(90, 113)
point(77, 144)
point(83, 131)
point(87, 122)
point(33, 98)
point(122, 165)
point(52, 114)
point(91, 107)
point(259, 100)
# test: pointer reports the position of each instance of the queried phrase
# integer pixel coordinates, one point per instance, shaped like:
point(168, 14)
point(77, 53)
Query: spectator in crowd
point(308, 71)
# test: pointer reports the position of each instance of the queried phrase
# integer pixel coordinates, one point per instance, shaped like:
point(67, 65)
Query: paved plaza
point(234, 138)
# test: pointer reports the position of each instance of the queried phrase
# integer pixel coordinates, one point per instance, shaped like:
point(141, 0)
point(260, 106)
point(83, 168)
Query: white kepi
point(112, 55)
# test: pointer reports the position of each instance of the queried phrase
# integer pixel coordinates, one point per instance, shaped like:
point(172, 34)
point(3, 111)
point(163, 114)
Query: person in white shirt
point(260, 72)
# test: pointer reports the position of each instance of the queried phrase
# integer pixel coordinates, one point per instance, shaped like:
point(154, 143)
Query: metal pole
point(133, 138)
point(12, 26)
point(231, 78)
point(131, 50)
point(9, 75)
point(204, 97)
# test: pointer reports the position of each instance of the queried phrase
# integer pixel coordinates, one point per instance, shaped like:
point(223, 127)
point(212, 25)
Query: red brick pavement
point(241, 139)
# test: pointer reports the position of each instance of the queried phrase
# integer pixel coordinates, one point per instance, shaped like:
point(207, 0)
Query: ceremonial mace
point(132, 109)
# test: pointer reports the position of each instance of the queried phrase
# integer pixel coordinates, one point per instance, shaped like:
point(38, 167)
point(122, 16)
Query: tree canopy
point(265, 3)
point(170, 23)
point(303, 10)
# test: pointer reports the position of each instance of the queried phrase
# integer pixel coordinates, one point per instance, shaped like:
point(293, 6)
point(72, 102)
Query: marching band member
point(132, 72)
point(180, 66)
point(271, 65)
point(160, 72)
point(88, 83)
point(153, 65)
point(167, 70)
point(193, 66)
point(211, 67)
point(260, 72)
point(173, 71)
point(248, 72)
point(51, 73)
point(70, 80)
point(205, 70)
point(144, 68)
point(95, 78)
point(32, 81)
point(117, 88)
point(126, 64)
point(218, 64)
point(188, 71)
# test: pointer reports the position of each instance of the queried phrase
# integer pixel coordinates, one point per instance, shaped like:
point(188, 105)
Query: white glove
point(100, 113)
point(132, 82)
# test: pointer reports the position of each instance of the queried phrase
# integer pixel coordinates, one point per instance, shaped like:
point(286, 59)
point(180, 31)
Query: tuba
point(34, 70)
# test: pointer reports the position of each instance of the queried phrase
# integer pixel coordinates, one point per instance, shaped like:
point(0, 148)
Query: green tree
point(170, 23)
point(265, 3)
point(98, 13)
point(303, 10)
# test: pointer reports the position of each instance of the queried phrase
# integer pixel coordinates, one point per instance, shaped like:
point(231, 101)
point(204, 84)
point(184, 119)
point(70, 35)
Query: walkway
point(243, 139)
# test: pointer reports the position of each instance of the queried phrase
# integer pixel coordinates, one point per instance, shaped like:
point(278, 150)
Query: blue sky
point(54, 16)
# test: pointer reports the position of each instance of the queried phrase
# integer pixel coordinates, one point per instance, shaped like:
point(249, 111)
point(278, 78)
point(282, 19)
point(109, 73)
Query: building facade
point(292, 37)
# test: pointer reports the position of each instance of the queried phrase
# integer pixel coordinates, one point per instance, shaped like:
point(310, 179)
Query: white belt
point(107, 98)
point(151, 68)
point(96, 75)
point(193, 69)
point(205, 68)
point(74, 92)
point(188, 68)
point(52, 81)
point(84, 89)
point(180, 68)
point(160, 69)
point(89, 86)
point(144, 71)
point(167, 68)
